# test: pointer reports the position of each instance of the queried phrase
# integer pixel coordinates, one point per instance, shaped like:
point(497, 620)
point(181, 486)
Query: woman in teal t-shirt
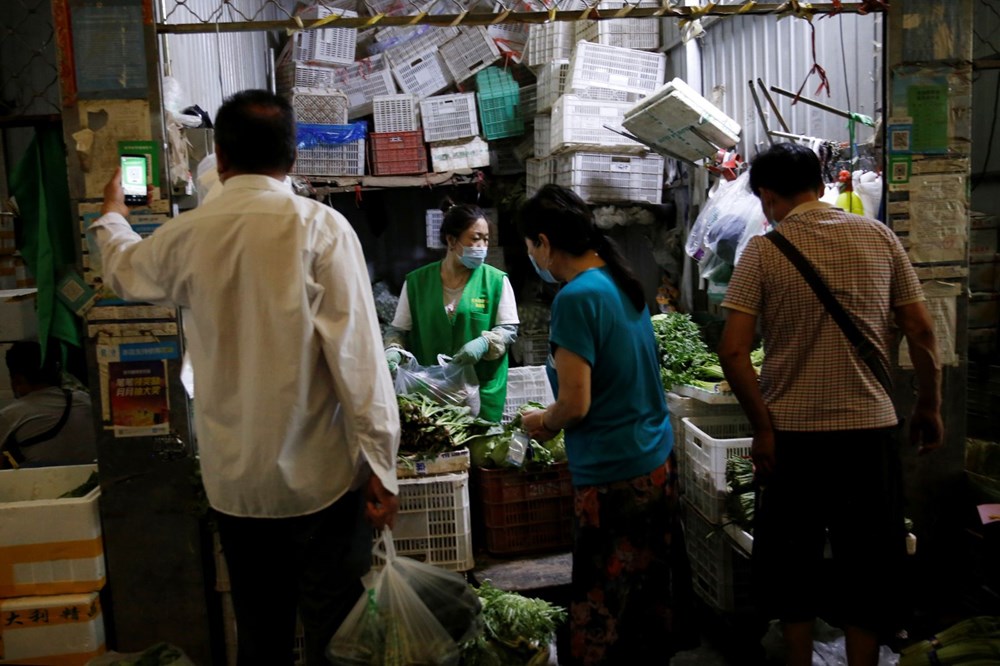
point(630, 573)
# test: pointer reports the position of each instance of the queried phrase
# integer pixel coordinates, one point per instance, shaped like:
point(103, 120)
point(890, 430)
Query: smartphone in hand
point(135, 179)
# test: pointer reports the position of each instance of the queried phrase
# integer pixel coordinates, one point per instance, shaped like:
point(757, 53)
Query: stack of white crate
point(451, 127)
point(581, 101)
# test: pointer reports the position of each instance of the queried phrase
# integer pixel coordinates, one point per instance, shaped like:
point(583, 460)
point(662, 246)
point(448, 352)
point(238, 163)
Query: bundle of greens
point(428, 428)
point(684, 357)
point(740, 499)
point(518, 630)
point(490, 450)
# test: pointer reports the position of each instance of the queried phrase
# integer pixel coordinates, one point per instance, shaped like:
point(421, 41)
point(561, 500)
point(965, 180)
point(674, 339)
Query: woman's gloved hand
point(471, 351)
point(393, 358)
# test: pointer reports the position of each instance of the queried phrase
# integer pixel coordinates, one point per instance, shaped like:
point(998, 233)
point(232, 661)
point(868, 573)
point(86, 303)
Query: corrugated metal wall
point(740, 49)
point(213, 65)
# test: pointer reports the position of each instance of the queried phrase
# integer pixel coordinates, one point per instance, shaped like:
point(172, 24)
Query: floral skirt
point(632, 600)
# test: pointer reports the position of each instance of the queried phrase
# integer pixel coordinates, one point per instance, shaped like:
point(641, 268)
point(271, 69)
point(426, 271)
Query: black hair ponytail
point(568, 223)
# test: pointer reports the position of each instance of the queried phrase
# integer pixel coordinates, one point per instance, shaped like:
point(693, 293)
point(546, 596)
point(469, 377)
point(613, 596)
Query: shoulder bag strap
point(864, 347)
point(14, 447)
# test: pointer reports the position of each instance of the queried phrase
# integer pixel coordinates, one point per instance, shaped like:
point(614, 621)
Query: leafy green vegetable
point(429, 428)
point(517, 629)
point(681, 349)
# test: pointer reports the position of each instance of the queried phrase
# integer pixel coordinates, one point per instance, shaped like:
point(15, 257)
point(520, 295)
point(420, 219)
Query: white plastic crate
point(550, 41)
point(538, 172)
point(533, 349)
point(529, 102)
point(629, 33)
point(551, 84)
point(526, 384)
point(361, 81)
point(346, 159)
point(462, 154)
point(471, 51)
point(511, 40)
point(720, 574)
point(680, 407)
point(603, 177)
point(543, 135)
point(433, 218)
point(425, 39)
point(49, 545)
point(329, 45)
point(449, 117)
point(325, 106)
point(396, 113)
point(434, 523)
point(586, 122)
point(628, 70)
point(58, 629)
point(708, 442)
point(422, 75)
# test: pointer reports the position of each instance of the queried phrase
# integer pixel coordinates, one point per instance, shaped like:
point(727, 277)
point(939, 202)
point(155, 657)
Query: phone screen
point(134, 178)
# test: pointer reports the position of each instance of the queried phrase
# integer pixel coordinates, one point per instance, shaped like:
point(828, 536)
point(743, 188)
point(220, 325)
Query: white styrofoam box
point(601, 66)
point(680, 407)
point(325, 106)
point(629, 33)
point(18, 320)
point(422, 75)
point(543, 135)
point(721, 576)
point(433, 218)
point(58, 630)
point(538, 172)
point(329, 45)
point(473, 50)
point(526, 384)
point(682, 122)
point(396, 113)
point(449, 117)
point(49, 545)
point(462, 154)
point(709, 440)
point(586, 122)
point(550, 41)
point(434, 524)
point(604, 177)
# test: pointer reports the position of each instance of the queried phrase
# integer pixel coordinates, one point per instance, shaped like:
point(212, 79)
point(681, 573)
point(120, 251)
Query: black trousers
point(312, 563)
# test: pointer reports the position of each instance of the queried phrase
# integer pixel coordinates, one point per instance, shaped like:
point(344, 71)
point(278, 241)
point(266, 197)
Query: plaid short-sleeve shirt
point(813, 379)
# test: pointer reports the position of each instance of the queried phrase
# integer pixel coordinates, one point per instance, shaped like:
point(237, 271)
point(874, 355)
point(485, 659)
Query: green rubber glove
point(393, 357)
point(471, 351)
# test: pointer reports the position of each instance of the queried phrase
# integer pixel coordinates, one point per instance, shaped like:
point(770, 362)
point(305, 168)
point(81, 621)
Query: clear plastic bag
point(723, 219)
point(445, 383)
point(398, 619)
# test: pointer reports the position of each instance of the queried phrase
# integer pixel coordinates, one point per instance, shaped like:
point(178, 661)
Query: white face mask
point(473, 257)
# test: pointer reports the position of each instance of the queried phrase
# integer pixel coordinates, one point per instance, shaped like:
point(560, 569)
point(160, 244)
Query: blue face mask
point(473, 257)
point(543, 273)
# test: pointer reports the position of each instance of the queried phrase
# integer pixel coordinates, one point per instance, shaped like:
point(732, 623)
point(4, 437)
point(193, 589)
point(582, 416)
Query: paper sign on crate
point(447, 462)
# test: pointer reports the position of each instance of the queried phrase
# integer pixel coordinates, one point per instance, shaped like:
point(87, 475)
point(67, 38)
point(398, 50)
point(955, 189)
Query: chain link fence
point(29, 75)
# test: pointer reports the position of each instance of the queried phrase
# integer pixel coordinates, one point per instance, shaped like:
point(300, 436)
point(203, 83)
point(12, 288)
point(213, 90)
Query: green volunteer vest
point(434, 333)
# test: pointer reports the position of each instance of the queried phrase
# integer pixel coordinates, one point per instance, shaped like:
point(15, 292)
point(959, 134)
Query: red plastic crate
point(395, 153)
point(526, 512)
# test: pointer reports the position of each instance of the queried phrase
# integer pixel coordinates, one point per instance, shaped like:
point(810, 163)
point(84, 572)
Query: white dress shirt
point(294, 395)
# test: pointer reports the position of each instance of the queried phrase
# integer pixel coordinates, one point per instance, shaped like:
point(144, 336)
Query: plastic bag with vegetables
point(445, 383)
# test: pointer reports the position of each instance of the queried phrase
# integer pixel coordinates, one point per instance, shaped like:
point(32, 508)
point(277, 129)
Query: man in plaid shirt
point(825, 449)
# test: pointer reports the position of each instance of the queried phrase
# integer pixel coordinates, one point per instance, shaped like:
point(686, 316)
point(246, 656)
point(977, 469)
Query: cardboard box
point(59, 630)
point(49, 545)
point(18, 320)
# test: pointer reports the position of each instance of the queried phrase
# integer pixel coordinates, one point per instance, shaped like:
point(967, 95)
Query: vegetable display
point(490, 450)
point(428, 428)
point(518, 630)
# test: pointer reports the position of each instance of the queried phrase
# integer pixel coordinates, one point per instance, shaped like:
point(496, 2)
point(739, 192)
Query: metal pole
point(760, 113)
point(806, 100)
point(771, 102)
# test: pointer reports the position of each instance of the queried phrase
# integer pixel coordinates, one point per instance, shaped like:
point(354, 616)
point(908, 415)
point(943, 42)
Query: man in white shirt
point(295, 411)
point(47, 425)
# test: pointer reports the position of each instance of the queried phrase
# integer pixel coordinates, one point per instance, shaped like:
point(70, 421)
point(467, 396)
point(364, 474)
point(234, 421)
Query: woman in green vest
point(460, 307)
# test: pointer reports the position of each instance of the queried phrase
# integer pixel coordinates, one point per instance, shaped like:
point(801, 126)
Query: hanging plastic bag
point(445, 383)
point(722, 221)
point(397, 620)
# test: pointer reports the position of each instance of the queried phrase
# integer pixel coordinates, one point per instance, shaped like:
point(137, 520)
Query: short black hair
point(787, 169)
point(255, 130)
point(24, 358)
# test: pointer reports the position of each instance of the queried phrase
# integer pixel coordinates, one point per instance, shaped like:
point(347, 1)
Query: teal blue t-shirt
point(627, 431)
